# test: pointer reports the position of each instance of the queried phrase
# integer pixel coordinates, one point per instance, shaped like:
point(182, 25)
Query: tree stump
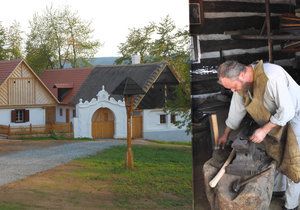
point(256, 194)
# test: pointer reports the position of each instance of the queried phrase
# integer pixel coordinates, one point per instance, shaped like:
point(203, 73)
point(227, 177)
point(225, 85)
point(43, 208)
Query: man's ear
point(242, 75)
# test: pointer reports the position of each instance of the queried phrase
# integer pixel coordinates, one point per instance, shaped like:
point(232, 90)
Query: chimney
point(135, 59)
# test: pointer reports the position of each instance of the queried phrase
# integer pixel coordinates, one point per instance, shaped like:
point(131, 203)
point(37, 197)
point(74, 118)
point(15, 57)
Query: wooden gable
point(23, 87)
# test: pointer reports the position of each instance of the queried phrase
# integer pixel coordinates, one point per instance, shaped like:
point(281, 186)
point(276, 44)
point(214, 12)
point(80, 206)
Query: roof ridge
point(140, 64)
point(11, 61)
point(70, 69)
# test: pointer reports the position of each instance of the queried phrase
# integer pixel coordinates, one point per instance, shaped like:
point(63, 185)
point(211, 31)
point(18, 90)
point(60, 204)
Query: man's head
point(235, 76)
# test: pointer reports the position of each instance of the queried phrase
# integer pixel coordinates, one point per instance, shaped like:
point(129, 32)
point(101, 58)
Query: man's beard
point(247, 86)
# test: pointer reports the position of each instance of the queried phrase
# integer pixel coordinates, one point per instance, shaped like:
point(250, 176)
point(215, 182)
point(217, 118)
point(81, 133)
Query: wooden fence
point(36, 129)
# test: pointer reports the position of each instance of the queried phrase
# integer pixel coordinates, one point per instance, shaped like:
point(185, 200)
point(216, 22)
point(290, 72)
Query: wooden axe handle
point(221, 172)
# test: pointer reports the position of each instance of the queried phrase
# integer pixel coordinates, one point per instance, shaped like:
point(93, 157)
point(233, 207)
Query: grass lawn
point(161, 179)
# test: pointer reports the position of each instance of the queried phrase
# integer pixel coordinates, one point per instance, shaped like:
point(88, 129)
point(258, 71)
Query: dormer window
point(62, 90)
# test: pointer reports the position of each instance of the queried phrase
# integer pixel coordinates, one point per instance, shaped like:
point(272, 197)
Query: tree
point(164, 42)
point(138, 42)
point(3, 54)
point(10, 42)
point(14, 41)
point(79, 39)
point(57, 37)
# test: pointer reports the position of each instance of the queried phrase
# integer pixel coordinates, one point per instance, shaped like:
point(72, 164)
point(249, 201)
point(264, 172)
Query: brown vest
point(281, 143)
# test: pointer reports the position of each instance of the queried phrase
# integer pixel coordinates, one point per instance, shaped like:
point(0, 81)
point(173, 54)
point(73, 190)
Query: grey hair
point(230, 69)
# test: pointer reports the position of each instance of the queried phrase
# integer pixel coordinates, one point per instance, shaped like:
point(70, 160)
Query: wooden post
point(267, 20)
point(129, 153)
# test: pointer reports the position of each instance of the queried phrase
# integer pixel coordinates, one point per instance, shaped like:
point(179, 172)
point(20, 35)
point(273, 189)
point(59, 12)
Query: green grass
point(12, 206)
point(186, 143)
point(161, 178)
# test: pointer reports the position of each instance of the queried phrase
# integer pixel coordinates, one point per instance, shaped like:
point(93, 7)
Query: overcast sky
point(111, 19)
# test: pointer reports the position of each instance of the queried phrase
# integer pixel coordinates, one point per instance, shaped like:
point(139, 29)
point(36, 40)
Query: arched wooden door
point(103, 124)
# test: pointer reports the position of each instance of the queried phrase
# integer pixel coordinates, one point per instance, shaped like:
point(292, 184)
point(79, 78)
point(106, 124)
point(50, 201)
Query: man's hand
point(223, 139)
point(258, 135)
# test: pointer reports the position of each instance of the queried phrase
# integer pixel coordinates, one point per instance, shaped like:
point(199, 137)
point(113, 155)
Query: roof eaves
point(11, 72)
point(154, 76)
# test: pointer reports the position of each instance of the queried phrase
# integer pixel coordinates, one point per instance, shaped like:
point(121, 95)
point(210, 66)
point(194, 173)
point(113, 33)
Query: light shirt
point(281, 98)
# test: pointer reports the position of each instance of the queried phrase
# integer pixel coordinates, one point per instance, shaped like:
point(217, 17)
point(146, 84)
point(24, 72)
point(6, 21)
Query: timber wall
point(213, 44)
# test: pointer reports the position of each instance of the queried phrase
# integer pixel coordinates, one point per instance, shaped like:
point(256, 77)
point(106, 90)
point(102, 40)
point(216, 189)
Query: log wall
point(211, 27)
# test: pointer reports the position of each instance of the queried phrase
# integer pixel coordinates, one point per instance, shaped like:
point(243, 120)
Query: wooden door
point(50, 115)
point(103, 124)
point(67, 115)
point(137, 127)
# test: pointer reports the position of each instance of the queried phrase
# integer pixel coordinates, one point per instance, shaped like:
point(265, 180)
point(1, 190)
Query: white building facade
point(157, 124)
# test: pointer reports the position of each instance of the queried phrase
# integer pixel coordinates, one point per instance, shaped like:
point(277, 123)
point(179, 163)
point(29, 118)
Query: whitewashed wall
point(154, 130)
point(62, 118)
point(85, 110)
point(36, 117)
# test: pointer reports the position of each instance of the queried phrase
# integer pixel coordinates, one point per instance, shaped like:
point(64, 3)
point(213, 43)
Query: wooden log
point(237, 6)
point(255, 195)
point(219, 25)
point(247, 58)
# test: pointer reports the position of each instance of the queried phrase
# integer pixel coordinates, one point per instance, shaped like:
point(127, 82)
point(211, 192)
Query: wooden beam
point(267, 21)
point(264, 37)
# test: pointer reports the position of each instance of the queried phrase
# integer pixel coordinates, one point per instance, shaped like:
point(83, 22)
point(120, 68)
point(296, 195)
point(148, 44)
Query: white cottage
point(99, 114)
point(24, 98)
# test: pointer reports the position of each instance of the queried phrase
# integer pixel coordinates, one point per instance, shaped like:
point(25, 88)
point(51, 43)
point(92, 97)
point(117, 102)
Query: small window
point(163, 119)
point(173, 118)
point(74, 112)
point(60, 112)
point(19, 115)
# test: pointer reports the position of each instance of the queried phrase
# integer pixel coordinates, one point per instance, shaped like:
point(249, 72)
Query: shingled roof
point(6, 68)
point(145, 75)
point(65, 78)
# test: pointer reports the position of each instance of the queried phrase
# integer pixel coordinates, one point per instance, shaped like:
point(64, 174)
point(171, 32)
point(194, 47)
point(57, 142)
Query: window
point(196, 12)
point(163, 119)
point(60, 112)
point(173, 118)
point(20, 115)
point(74, 112)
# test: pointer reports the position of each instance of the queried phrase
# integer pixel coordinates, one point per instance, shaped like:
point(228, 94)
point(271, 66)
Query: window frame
point(19, 115)
point(173, 118)
point(162, 118)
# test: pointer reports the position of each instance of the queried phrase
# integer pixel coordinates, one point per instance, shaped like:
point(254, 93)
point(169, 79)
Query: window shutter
point(26, 115)
point(13, 116)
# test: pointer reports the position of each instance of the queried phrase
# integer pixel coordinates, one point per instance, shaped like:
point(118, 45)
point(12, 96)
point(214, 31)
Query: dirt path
point(10, 146)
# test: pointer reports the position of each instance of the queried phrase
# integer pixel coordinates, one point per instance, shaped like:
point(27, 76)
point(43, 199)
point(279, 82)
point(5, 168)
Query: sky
point(111, 19)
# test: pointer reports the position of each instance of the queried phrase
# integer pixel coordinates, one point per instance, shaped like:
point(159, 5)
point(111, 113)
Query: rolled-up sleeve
point(285, 110)
point(237, 112)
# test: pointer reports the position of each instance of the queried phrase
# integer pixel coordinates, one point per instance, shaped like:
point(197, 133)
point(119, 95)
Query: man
point(271, 96)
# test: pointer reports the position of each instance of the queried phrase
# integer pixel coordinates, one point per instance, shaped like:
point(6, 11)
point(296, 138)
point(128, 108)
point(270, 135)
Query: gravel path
point(19, 165)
